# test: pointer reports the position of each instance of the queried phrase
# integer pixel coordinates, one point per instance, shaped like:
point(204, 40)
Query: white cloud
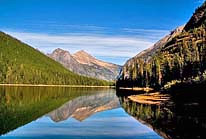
point(97, 45)
point(147, 34)
point(145, 30)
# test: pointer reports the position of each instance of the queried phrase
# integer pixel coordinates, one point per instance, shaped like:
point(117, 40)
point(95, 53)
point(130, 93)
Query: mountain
point(22, 64)
point(197, 19)
point(177, 59)
point(148, 53)
point(84, 64)
point(66, 59)
point(84, 106)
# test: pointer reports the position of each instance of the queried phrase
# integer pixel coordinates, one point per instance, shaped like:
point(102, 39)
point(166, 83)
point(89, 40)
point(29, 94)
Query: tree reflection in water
point(175, 118)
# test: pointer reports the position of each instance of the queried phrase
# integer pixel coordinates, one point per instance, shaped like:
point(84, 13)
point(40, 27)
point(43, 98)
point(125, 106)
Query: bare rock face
point(84, 64)
point(66, 59)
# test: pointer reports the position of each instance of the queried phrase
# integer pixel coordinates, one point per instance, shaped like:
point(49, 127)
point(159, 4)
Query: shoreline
point(44, 85)
point(152, 99)
point(146, 89)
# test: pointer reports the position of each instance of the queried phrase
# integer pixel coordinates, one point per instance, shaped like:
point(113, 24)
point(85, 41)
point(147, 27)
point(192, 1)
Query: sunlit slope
point(20, 63)
point(179, 59)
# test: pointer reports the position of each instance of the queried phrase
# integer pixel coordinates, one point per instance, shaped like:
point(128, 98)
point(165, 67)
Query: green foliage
point(198, 19)
point(22, 64)
point(181, 59)
point(21, 105)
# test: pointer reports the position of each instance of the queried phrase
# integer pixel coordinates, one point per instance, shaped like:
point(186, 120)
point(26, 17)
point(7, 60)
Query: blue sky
point(112, 30)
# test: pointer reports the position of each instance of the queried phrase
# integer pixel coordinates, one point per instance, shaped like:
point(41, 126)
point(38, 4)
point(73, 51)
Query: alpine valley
point(22, 64)
point(50, 93)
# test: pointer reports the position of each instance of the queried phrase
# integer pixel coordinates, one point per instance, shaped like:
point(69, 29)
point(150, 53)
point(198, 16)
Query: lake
point(57, 112)
point(60, 112)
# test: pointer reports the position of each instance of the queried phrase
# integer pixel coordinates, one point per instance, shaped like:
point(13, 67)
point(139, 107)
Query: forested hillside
point(180, 60)
point(22, 64)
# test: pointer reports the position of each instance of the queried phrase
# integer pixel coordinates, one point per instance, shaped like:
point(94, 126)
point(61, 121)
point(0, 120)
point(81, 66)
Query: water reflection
point(21, 105)
point(52, 112)
point(179, 117)
point(84, 106)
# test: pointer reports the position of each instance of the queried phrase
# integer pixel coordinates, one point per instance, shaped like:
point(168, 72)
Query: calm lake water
point(58, 112)
point(52, 112)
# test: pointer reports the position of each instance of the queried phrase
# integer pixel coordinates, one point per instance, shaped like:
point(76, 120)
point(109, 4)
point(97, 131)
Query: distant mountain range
point(84, 64)
point(22, 64)
point(177, 59)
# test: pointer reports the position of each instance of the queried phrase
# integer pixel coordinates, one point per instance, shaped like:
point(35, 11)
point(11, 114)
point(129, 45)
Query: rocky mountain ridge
point(84, 106)
point(84, 64)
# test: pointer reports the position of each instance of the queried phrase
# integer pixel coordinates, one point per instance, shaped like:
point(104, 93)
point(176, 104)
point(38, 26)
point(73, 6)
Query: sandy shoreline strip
point(151, 98)
point(137, 89)
point(44, 85)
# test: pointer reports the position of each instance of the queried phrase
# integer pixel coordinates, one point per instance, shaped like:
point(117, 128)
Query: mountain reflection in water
point(58, 112)
point(84, 106)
